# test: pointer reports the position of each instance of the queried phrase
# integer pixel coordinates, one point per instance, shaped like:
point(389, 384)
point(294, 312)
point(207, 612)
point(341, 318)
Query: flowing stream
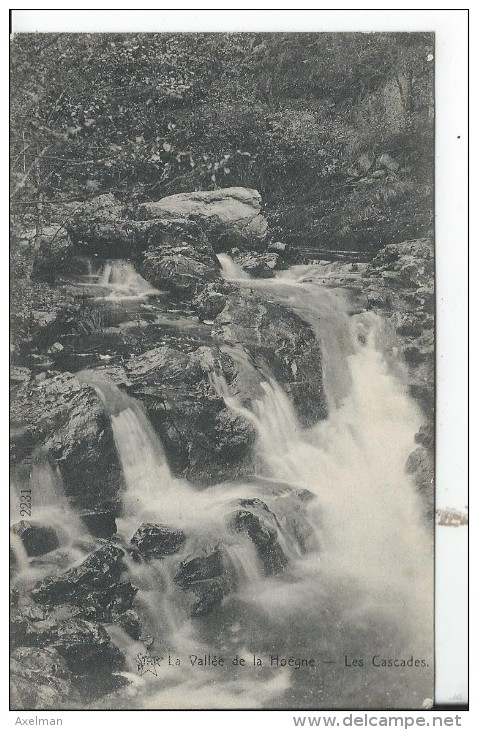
point(361, 593)
point(360, 590)
point(47, 502)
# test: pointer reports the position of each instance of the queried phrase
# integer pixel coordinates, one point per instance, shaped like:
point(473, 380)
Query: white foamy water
point(365, 585)
point(372, 573)
point(230, 270)
point(49, 508)
point(122, 281)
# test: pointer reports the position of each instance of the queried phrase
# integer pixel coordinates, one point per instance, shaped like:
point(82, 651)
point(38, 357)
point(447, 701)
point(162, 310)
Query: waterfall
point(49, 508)
point(365, 582)
point(230, 270)
point(150, 488)
point(122, 281)
point(152, 493)
point(373, 573)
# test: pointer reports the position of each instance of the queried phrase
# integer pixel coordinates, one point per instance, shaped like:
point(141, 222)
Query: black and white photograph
point(222, 361)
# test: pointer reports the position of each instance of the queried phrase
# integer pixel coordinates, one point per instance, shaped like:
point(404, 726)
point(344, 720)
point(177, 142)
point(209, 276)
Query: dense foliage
point(148, 115)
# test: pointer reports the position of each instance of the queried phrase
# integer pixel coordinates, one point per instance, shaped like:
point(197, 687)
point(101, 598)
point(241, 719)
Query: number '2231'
point(25, 503)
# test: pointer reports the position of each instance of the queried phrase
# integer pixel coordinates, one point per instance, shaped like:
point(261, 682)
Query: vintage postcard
point(223, 371)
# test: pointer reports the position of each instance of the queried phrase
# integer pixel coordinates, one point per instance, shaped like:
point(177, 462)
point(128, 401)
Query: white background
point(450, 27)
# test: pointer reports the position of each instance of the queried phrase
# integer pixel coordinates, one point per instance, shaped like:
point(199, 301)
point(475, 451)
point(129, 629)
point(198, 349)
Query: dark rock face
point(203, 439)
point(420, 465)
point(129, 622)
point(426, 436)
point(157, 541)
point(209, 594)
point(264, 538)
point(281, 341)
point(93, 687)
point(401, 278)
point(37, 539)
point(101, 226)
point(211, 300)
point(170, 232)
point(67, 418)
point(260, 265)
point(210, 564)
point(40, 314)
point(99, 524)
point(94, 587)
point(85, 646)
point(13, 597)
point(208, 577)
point(403, 275)
point(40, 679)
point(64, 663)
point(180, 270)
point(19, 627)
point(54, 254)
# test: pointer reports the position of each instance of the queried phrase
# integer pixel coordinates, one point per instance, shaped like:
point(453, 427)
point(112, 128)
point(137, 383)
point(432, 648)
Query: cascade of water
point(246, 565)
point(49, 505)
point(49, 508)
point(19, 553)
point(104, 275)
point(374, 568)
point(327, 310)
point(371, 527)
point(123, 281)
point(230, 270)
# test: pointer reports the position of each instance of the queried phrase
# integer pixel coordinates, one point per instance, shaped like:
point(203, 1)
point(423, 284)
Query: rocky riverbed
point(135, 298)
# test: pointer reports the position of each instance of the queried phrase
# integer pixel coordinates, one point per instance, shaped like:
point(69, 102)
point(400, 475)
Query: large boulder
point(99, 523)
point(85, 646)
point(232, 215)
point(290, 509)
point(95, 587)
point(157, 541)
point(204, 440)
point(40, 680)
point(37, 539)
point(211, 300)
point(67, 419)
point(277, 528)
point(209, 594)
point(208, 578)
point(101, 226)
point(208, 564)
point(282, 343)
point(177, 256)
point(258, 265)
point(264, 538)
point(65, 663)
point(181, 270)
